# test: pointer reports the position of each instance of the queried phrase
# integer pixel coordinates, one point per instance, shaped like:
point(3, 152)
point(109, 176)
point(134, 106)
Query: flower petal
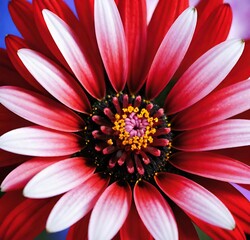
point(225, 134)
point(58, 178)
point(39, 141)
point(195, 200)
point(69, 45)
point(39, 109)
point(21, 175)
point(76, 203)
point(110, 212)
point(133, 227)
point(55, 80)
point(154, 211)
point(213, 166)
point(212, 32)
point(204, 75)
point(133, 15)
point(17, 225)
point(171, 52)
point(218, 106)
point(111, 41)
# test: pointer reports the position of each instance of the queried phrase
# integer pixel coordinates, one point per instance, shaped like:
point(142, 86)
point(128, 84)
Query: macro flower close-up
point(123, 120)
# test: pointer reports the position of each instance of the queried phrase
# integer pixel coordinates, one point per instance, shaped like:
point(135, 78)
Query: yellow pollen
point(135, 142)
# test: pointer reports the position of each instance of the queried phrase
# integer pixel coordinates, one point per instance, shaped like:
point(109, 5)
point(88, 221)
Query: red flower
point(134, 123)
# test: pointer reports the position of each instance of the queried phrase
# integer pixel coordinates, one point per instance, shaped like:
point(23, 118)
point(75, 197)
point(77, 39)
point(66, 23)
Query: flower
point(123, 129)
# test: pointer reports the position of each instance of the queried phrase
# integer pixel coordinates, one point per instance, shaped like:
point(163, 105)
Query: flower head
point(124, 128)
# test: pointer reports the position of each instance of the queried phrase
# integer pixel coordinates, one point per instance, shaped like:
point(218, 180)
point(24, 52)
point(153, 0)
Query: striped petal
point(225, 134)
point(213, 166)
point(154, 211)
point(111, 41)
point(39, 109)
point(204, 75)
point(21, 175)
point(110, 212)
point(55, 80)
point(39, 141)
point(171, 52)
point(76, 203)
point(133, 15)
point(69, 45)
point(195, 200)
point(218, 106)
point(58, 178)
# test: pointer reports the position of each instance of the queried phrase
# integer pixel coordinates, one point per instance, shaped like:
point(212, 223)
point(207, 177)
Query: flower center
point(129, 137)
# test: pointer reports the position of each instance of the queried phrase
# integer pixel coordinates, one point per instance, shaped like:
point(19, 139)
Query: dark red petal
point(13, 44)
point(133, 228)
point(214, 31)
point(133, 15)
point(165, 13)
point(23, 17)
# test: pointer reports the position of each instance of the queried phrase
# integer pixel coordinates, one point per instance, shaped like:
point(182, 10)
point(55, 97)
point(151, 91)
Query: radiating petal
point(225, 134)
point(236, 202)
point(58, 178)
point(204, 75)
point(40, 109)
point(39, 141)
point(110, 212)
point(133, 15)
point(21, 175)
point(195, 200)
point(55, 80)
point(76, 203)
point(212, 32)
point(218, 106)
point(133, 227)
point(171, 52)
point(111, 41)
point(23, 17)
point(69, 45)
point(13, 44)
point(165, 13)
point(213, 166)
point(154, 211)
point(17, 225)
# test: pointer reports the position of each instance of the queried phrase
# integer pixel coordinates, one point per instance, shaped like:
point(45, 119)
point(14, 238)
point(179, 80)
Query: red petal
point(213, 166)
point(13, 44)
point(212, 68)
point(111, 42)
point(225, 134)
point(133, 15)
point(23, 17)
point(58, 178)
point(21, 175)
point(165, 13)
point(40, 110)
point(17, 225)
point(110, 212)
point(233, 199)
point(154, 211)
point(76, 203)
point(133, 228)
point(195, 200)
point(59, 83)
point(81, 64)
point(218, 106)
point(39, 141)
point(212, 32)
point(171, 52)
